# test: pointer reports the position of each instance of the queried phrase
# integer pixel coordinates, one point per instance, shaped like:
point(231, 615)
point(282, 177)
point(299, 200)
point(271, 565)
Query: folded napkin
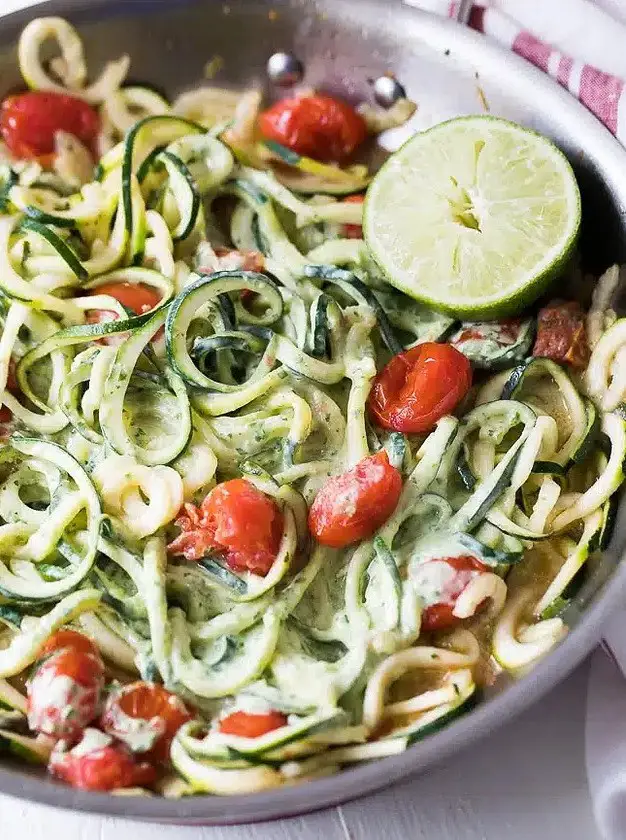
point(581, 45)
point(577, 23)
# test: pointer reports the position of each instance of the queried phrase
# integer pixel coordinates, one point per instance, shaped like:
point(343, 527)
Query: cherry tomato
point(237, 520)
point(353, 231)
point(68, 638)
point(247, 725)
point(317, 126)
point(453, 575)
point(63, 695)
point(145, 709)
point(351, 506)
point(137, 298)
point(29, 121)
point(105, 767)
point(418, 387)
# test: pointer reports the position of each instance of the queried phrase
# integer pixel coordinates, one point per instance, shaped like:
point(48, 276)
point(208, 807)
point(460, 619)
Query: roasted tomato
point(353, 231)
point(137, 298)
point(418, 387)
point(236, 520)
point(29, 122)
point(68, 638)
point(442, 581)
point(247, 725)
point(316, 126)
point(97, 763)
point(65, 690)
point(351, 506)
point(561, 334)
point(146, 717)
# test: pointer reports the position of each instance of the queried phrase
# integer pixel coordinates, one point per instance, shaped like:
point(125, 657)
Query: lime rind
point(475, 216)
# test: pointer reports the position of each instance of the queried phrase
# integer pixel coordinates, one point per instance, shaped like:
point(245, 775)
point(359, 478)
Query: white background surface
point(526, 781)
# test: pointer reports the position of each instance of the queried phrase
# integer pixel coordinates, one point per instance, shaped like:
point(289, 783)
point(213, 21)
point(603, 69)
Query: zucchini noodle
point(255, 360)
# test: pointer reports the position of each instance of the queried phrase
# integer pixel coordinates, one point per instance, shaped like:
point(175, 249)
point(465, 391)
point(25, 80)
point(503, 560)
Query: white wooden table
point(525, 781)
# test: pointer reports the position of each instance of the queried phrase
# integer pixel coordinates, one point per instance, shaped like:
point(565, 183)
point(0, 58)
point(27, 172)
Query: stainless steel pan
point(343, 43)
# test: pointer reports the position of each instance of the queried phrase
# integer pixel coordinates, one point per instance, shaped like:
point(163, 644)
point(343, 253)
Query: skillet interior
point(342, 44)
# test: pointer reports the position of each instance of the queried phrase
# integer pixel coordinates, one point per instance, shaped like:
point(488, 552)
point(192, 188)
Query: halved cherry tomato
point(235, 519)
point(247, 725)
point(418, 387)
point(101, 768)
point(453, 575)
point(353, 231)
point(133, 296)
point(68, 638)
point(29, 121)
point(351, 506)
point(316, 126)
point(144, 708)
point(63, 695)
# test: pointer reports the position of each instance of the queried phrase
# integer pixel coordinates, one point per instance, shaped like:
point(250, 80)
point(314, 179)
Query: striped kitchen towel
point(601, 92)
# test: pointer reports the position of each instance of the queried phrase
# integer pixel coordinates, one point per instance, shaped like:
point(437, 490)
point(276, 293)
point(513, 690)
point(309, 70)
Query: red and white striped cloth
point(602, 93)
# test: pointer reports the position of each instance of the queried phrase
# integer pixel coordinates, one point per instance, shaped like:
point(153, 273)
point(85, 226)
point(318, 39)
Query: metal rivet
point(387, 91)
point(284, 69)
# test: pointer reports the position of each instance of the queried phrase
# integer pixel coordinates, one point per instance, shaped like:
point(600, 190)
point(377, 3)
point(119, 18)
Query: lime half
point(474, 216)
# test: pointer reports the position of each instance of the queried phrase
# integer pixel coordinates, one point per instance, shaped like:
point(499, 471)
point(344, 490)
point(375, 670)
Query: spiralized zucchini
point(257, 362)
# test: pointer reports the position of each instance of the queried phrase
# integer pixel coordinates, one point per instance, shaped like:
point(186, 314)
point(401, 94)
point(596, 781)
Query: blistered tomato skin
point(247, 725)
point(458, 573)
point(102, 768)
point(145, 716)
point(236, 520)
point(29, 122)
point(418, 387)
point(351, 506)
point(562, 334)
point(139, 299)
point(317, 126)
point(68, 638)
point(64, 693)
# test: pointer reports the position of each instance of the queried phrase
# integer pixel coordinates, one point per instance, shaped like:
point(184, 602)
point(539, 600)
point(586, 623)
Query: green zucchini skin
point(350, 284)
point(486, 352)
point(34, 224)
